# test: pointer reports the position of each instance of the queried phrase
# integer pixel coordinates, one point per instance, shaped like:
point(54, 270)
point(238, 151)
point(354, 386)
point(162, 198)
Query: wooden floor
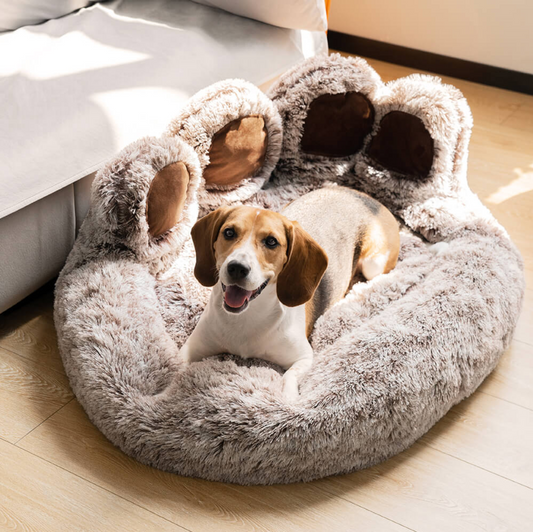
point(472, 471)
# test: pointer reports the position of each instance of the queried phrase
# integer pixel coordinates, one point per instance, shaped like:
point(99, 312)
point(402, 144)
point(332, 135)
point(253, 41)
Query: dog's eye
point(229, 233)
point(271, 242)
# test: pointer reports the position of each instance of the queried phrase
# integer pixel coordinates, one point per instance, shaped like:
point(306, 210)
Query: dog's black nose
point(237, 271)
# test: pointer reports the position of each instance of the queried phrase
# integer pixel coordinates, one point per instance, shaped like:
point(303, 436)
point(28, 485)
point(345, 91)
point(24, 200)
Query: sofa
point(77, 89)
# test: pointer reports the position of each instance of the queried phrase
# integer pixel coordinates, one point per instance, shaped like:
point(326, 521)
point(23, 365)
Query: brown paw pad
point(337, 124)
point(166, 198)
point(404, 145)
point(237, 151)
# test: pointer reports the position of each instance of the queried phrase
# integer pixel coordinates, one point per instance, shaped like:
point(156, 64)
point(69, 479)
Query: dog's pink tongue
point(235, 296)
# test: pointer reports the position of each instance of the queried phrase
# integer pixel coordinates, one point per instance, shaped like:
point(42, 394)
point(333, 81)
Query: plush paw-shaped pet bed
point(391, 358)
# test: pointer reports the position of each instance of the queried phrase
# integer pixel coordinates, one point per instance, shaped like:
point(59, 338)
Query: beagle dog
point(272, 278)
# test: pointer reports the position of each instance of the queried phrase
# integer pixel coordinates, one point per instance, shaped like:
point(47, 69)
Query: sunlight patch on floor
point(523, 183)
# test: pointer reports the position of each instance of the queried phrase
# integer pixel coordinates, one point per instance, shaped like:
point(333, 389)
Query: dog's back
point(357, 233)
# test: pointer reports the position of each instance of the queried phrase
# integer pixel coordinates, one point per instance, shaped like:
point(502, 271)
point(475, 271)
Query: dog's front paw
point(184, 355)
point(439, 248)
point(290, 389)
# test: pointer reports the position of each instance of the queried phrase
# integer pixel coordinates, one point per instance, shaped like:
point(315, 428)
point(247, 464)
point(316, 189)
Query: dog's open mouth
point(236, 299)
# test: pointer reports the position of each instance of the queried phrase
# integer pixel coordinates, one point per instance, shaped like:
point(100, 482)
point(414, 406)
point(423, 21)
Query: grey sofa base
point(36, 240)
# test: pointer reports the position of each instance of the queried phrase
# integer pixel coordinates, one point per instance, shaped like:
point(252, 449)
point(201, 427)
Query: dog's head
point(247, 248)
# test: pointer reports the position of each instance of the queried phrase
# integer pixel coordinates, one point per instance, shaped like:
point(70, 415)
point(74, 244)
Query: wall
point(493, 32)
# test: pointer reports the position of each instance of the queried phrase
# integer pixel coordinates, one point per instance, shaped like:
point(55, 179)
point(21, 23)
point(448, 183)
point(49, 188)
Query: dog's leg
point(380, 246)
point(439, 248)
point(292, 377)
point(196, 348)
point(185, 353)
point(374, 266)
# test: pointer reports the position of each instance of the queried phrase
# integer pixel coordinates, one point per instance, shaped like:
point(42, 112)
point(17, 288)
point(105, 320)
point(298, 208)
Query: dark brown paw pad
point(337, 124)
point(403, 144)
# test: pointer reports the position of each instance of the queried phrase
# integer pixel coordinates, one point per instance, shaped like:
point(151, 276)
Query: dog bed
point(391, 358)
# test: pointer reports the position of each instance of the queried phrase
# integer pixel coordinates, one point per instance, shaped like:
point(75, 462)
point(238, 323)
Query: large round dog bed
point(390, 359)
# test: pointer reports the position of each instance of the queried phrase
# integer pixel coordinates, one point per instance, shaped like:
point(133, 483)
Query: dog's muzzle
point(237, 299)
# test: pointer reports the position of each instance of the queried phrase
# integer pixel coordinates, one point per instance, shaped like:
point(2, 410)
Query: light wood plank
point(310, 508)
point(29, 393)
point(39, 496)
point(430, 491)
point(524, 328)
point(28, 330)
point(490, 433)
point(69, 439)
point(522, 118)
point(498, 156)
point(512, 380)
point(498, 159)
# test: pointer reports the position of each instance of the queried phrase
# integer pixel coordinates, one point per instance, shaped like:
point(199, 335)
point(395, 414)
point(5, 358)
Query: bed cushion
point(76, 90)
point(391, 358)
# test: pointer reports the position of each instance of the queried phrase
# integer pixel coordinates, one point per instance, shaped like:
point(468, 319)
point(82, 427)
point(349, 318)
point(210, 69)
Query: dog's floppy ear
point(305, 266)
point(204, 234)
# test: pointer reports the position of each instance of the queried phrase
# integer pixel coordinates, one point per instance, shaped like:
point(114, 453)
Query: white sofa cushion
point(17, 13)
point(296, 14)
point(76, 90)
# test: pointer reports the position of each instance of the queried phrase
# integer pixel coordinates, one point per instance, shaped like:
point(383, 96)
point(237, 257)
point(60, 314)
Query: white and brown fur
point(294, 281)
